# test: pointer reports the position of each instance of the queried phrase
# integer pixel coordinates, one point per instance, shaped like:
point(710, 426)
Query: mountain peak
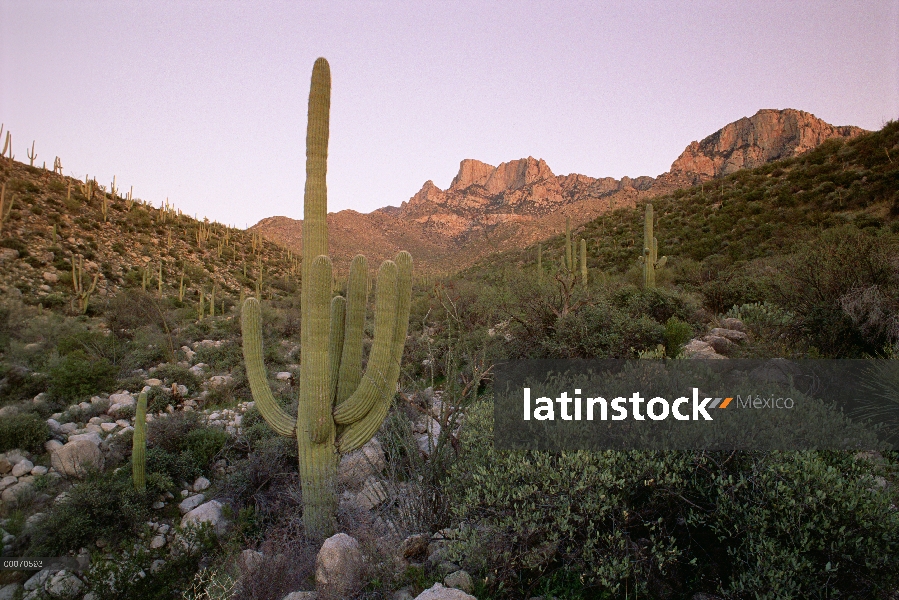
point(770, 134)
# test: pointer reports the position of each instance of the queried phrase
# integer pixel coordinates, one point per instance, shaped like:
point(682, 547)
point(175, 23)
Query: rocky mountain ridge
point(489, 208)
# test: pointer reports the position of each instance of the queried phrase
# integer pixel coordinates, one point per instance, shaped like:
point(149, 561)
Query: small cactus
point(139, 444)
point(650, 258)
point(5, 206)
point(32, 154)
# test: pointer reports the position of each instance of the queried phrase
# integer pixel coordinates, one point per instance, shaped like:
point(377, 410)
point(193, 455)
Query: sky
point(204, 103)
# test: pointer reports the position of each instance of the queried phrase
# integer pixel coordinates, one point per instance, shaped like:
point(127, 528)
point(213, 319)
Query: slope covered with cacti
point(69, 244)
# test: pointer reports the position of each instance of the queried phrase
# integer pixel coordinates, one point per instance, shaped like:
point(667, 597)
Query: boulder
point(701, 350)
point(357, 466)
point(373, 494)
point(460, 580)
point(21, 468)
point(76, 457)
point(731, 334)
point(721, 345)
point(10, 495)
point(731, 323)
point(92, 436)
point(210, 512)
point(201, 484)
point(338, 567)
point(438, 592)
point(190, 503)
point(5, 465)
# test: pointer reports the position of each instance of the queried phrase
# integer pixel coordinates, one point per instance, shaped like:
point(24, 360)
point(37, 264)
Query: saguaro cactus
point(31, 154)
point(5, 206)
point(339, 407)
point(650, 258)
point(569, 255)
point(139, 444)
point(584, 261)
point(539, 263)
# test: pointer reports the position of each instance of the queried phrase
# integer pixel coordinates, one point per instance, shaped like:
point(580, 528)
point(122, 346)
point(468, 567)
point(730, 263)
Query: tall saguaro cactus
point(569, 255)
point(340, 407)
point(650, 258)
point(584, 261)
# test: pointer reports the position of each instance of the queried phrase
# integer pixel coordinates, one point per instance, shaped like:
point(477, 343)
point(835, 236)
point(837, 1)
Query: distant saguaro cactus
point(584, 261)
point(569, 255)
point(650, 258)
point(82, 293)
point(339, 407)
point(139, 444)
point(31, 154)
point(5, 206)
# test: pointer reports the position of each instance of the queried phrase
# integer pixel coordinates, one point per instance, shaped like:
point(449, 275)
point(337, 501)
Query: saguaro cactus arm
point(357, 434)
point(251, 327)
point(350, 373)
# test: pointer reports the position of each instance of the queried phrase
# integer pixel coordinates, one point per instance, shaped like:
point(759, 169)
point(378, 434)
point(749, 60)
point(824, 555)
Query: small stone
point(250, 559)
point(50, 277)
point(731, 323)
point(158, 505)
point(39, 470)
point(5, 466)
point(415, 546)
point(201, 484)
point(284, 376)
point(210, 512)
point(301, 596)
point(7, 481)
point(438, 592)
point(190, 503)
point(107, 427)
point(157, 565)
point(157, 542)
point(460, 580)
point(22, 468)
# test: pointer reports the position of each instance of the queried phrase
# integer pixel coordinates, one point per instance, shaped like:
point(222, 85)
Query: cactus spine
point(331, 333)
point(139, 445)
point(650, 258)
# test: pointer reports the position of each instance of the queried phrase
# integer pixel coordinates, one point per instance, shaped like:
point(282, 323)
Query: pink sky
point(206, 105)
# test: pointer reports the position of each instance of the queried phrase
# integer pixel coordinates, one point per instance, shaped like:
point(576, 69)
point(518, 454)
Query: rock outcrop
point(490, 208)
point(766, 136)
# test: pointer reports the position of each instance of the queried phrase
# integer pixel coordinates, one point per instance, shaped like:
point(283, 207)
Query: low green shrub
point(77, 376)
point(677, 334)
point(204, 443)
point(102, 506)
point(26, 431)
point(742, 525)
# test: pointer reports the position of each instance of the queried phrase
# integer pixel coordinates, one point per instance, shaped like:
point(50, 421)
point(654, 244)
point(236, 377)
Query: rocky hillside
point(117, 243)
point(487, 208)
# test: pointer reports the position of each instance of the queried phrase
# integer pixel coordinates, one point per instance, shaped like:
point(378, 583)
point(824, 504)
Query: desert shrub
point(26, 431)
point(842, 287)
point(204, 443)
point(168, 432)
point(77, 414)
point(677, 334)
point(743, 525)
point(158, 398)
point(224, 358)
point(178, 467)
point(172, 373)
point(77, 375)
point(102, 506)
point(92, 343)
point(19, 383)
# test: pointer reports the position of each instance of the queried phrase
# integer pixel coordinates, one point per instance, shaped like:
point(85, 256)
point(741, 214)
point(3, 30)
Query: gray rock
point(359, 465)
point(721, 345)
point(10, 495)
point(37, 580)
point(701, 350)
point(201, 484)
point(373, 494)
point(190, 503)
point(460, 580)
point(158, 541)
point(210, 512)
point(301, 596)
point(250, 559)
point(731, 334)
point(338, 567)
point(10, 591)
point(76, 457)
point(731, 323)
point(5, 465)
point(438, 592)
point(23, 467)
point(7, 481)
point(92, 436)
point(403, 594)
point(64, 584)
point(415, 546)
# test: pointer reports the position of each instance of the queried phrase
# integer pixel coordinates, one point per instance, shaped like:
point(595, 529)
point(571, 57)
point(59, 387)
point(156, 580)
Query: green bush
point(741, 525)
point(26, 431)
point(677, 334)
point(204, 444)
point(171, 373)
point(102, 506)
point(76, 376)
point(183, 466)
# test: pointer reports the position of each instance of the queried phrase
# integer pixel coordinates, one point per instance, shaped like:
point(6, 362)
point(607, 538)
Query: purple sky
point(205, 103)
